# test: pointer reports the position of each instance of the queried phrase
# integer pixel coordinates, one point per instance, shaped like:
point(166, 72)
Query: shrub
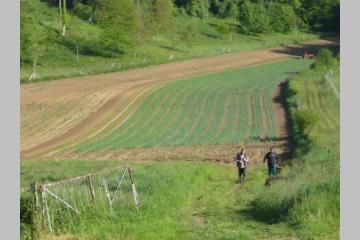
point(83, 11)
point(324, 58)
point(282, 17)
point(253, 18)
point(223, 28)
point(306, 119)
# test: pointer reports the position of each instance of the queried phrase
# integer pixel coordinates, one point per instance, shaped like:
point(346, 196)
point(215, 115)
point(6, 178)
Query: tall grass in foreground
point(180, 200)
point(309, 198)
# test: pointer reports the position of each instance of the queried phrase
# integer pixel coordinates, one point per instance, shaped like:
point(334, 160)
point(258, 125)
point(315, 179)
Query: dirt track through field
point(54, 113)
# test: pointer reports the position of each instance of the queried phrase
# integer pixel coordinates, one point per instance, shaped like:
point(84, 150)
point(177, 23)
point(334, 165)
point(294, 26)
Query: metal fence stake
point(46, 208)
point(135, 195)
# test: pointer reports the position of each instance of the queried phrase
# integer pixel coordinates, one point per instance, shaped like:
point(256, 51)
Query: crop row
point(223, 108)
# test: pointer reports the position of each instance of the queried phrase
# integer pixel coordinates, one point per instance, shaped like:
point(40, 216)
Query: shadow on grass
point(171, 48)
point(299, 50)
point(210, 35)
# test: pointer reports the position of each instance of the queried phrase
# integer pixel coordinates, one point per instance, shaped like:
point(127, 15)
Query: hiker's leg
point(240, 175)
point(272, 172)
point(244, 175)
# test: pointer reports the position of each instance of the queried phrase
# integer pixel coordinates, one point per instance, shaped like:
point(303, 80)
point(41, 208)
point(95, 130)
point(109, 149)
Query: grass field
point(224, 108)
point(58, 59)
point(179, 201)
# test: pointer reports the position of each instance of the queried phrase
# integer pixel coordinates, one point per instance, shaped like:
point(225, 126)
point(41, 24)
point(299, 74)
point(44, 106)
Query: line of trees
point(126, 23)
point(319, 15)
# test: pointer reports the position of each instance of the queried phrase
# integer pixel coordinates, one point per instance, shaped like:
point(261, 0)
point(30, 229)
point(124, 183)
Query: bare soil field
point(58, 112)
point(223, 154)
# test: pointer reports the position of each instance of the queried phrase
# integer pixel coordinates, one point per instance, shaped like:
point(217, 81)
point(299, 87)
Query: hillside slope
point(58, 57)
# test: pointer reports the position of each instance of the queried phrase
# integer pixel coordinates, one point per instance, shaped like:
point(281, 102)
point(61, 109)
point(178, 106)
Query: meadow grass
point(58, 59)
point(179, 200)
point(223, 108)
point(310, 197)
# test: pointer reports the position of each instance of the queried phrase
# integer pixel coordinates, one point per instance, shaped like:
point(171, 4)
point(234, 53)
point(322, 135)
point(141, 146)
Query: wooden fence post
point(91, 187)
point(34, 190)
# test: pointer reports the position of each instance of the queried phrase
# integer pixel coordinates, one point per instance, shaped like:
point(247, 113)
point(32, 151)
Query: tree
point(76, 38)
point(162, 15)
point(63, 16)
point(282, 17)
point(227, 28)
point(190, 36)
point(117, 18)
point(321, 15)
point(253, 17)
point(32, 40)
point(199, 8)
point(228, 9)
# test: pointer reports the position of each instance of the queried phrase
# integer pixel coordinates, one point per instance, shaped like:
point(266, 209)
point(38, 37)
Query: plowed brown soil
point(53, 113)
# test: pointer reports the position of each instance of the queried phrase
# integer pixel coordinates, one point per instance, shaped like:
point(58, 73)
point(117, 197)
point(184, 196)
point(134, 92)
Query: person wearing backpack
point(241, 162)
point(272, 161)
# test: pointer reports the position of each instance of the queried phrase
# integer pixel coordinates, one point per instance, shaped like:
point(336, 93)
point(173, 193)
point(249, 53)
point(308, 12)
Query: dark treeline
point(254, 16)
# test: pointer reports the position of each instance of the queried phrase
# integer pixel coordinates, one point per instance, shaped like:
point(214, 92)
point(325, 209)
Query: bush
point(306, 119)
point(283, 18)
point(253, 18)
point(324, 58)
point(223, 28)
point(83, 11)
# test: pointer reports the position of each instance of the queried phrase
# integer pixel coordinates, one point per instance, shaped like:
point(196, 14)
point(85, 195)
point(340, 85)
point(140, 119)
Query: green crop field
point(223, 108)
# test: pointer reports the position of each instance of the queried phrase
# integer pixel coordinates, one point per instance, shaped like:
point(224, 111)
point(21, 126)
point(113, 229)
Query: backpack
point(240, 163)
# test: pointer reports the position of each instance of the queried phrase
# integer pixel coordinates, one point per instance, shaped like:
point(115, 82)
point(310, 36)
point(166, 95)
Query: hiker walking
point(272, 161)
point(241, 162)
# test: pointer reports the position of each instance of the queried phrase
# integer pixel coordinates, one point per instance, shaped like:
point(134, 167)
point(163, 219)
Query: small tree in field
point(33, 41)
point(162, 15)
point(190, 36)
point(117, 18)
point(62, 16)
point(76, 38)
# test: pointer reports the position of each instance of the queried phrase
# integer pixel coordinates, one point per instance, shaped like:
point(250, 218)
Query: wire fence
point(329, 78)
point(62, 204)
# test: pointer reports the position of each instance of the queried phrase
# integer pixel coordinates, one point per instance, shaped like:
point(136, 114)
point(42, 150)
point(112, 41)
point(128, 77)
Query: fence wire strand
point(70, 200)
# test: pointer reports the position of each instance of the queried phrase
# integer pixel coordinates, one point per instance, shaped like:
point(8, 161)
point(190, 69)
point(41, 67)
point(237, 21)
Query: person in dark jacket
point(241, 162)
point(272, 160)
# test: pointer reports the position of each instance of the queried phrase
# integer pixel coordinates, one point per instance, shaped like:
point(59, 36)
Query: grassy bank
point(310, 198)
point(59, 60)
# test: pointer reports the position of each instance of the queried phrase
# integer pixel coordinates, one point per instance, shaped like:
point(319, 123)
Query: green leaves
point(253, 18)
point(117, 18)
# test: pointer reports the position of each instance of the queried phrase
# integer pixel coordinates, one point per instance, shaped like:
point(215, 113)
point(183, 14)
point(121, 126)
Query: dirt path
point(54, 113)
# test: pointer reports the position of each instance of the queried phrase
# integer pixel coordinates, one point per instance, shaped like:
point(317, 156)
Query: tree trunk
point(77, 51)
point(115, 48)
point(60, 16)
point(63, 19)
point(33, 75)
point(63, 30)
